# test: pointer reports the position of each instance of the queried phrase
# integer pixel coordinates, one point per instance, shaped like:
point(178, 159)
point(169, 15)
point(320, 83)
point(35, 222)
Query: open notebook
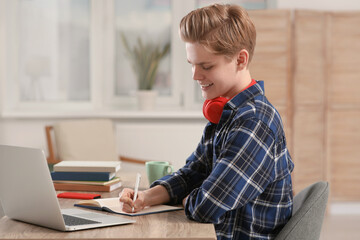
point(113, 205)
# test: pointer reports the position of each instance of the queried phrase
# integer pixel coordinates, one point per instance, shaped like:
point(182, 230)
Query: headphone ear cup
point(212, 109)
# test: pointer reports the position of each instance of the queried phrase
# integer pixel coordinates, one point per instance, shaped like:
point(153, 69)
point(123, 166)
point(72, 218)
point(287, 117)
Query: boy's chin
point(208, 96)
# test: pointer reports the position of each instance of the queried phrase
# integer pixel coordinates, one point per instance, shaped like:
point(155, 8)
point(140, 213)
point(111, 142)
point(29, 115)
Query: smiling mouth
point(204, 86)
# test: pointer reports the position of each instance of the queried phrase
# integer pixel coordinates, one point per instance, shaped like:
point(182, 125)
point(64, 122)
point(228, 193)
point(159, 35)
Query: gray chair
point(308, 213)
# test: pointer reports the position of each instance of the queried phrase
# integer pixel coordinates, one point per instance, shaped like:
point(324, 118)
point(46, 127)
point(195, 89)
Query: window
point(50, 51)
point(149, 22)
point(69, 54)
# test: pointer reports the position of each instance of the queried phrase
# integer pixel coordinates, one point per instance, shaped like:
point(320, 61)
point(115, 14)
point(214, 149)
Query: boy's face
point(216, 74)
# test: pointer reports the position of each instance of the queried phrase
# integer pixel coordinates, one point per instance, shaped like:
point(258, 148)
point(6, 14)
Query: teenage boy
point(238, 178)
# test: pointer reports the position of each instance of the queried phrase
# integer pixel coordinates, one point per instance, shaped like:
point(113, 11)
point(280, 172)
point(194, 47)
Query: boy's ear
point(242, 59)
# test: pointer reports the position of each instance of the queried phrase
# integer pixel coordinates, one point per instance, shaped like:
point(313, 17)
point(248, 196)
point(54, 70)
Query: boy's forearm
point(156, 195)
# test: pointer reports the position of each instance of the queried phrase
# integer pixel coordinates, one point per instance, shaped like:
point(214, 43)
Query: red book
point(76, 195)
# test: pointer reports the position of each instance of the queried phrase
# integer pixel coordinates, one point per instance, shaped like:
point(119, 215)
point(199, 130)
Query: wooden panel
point(345, 59)
point(272, 61)
point(344, 154)
point(344, 105)
point(309, 98)
point(309, 51)
point(309, 149)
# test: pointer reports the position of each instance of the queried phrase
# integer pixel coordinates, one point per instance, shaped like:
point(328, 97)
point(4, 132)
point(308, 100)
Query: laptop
point(27, 194)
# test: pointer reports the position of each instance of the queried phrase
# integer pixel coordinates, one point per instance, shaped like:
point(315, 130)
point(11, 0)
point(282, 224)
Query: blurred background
point(64, 60)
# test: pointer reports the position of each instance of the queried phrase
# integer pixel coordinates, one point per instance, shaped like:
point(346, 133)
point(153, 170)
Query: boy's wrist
point(184, 200)
point(156, 195)
point(147, 197)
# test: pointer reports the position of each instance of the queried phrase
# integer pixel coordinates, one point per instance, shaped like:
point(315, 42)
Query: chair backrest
point(88, 139)
point(308, 213)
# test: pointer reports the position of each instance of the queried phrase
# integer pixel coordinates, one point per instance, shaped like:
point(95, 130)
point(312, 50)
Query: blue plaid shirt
point(238, 178)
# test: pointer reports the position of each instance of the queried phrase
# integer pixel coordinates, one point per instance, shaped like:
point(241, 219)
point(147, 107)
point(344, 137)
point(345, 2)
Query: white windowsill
point(113, 114)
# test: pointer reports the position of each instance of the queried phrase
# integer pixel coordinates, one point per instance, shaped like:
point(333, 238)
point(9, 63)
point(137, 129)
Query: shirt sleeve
point(243, 169)
point(193, 174)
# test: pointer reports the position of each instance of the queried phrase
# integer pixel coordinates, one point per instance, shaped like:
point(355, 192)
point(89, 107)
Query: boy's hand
point(126, 197)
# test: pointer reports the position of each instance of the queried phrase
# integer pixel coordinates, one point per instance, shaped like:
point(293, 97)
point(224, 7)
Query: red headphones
point(213, 108)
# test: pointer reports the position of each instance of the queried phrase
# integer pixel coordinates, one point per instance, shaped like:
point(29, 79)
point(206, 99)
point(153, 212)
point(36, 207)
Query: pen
point(137, 183)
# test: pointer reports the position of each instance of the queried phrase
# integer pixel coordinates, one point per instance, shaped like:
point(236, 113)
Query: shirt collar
point(244, 96)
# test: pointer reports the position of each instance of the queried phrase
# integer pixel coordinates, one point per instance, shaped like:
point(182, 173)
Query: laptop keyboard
point(75, 221)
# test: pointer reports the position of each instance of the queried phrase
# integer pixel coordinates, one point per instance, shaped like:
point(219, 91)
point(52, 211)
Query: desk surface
point(168, 225)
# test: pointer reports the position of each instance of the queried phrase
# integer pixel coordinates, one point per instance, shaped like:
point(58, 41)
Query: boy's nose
point(197, 75)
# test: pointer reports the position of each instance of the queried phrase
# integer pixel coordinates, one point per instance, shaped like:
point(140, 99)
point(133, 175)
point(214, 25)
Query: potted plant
point(145, 59)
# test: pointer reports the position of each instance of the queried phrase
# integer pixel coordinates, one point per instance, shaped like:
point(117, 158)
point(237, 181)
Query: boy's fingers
point(126, 197)
point(127, 208)
point(139, 205)
point(126, 192)
point(127, 204)
point(127, 200)
point(137, 208)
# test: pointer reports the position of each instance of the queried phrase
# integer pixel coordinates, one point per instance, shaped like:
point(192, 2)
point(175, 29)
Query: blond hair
point(221, 29)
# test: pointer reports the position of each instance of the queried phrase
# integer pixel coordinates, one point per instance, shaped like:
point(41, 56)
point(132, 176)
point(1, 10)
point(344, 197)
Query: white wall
point(332, 5)
point(158, 140)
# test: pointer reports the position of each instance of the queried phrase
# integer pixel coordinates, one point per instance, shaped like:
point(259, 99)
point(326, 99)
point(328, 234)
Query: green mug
point(156, 170)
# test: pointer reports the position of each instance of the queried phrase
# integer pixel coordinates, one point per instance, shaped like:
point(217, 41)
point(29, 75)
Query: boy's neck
point(245, 79)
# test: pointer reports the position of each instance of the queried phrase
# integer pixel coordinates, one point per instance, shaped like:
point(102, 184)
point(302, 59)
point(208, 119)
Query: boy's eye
point(207, 67)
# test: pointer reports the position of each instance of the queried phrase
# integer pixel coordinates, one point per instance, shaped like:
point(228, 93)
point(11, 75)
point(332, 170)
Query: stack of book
point(92, 176)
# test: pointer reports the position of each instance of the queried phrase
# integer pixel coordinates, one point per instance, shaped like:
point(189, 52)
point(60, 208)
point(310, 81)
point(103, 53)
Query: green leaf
point(145, 60)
